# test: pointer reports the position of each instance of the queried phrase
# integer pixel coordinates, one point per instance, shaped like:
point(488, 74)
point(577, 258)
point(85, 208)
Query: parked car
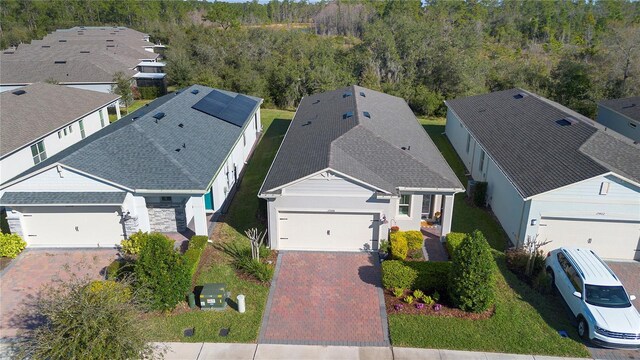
point(596, 297)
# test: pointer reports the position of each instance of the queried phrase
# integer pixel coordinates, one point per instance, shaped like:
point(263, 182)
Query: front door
point(208, 200)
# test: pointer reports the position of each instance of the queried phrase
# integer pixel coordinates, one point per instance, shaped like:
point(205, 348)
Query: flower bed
point(396, 305)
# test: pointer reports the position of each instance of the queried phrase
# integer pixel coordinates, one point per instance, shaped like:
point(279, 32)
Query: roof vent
point(18, 92)
point(111, 46)
point(109, 40)
point(406, 147)
point(362, 94)
point(317, 101)
point(46, 46)
point(366, 114)
point(8, 52)
point(629, 106)
point(158, 116)
point(519, 96)
point(347, 115)
point(567, 121)
point(178, 150)
point(195, 91)
point(85, 52)
point(346, 94)
point(62, 40)
point(181, 125)
point(60, 62)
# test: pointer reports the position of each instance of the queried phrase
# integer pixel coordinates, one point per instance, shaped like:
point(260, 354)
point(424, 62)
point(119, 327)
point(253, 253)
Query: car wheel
point(552, 276)
point(583, 328)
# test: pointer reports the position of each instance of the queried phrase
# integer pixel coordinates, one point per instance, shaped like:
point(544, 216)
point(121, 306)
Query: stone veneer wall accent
point(15, 224)
point(167, 217)
point(131, 226)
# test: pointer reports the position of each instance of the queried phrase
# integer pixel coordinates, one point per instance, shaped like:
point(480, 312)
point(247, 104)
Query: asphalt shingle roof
point(519, 131)
point(141, 153)
point(323, 135)
point(629, 107)
point(42, 109)
point(60, 198)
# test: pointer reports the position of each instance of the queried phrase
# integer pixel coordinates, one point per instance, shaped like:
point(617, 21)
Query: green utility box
point(213, 297)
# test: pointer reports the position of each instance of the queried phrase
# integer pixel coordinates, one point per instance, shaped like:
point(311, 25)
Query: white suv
point(596, 297)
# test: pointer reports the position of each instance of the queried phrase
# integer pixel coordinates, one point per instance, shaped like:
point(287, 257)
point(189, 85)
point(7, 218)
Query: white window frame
point(40, 153)
point(81, 124)
point(403, 204)
point(101, 118)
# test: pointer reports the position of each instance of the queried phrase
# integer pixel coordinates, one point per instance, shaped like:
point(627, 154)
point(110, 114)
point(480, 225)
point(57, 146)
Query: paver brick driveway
point(26, 274)
point(326, 298)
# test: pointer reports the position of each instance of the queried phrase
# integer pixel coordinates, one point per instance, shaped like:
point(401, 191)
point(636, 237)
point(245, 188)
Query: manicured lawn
point(524, 321)
point(137, 104)
point(243, 214)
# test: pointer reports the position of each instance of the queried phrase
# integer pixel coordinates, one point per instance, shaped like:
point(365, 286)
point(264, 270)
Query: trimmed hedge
point(399, 246)
point(414, 239)
point(454, 239)
point(425, 276)
point(193, 253)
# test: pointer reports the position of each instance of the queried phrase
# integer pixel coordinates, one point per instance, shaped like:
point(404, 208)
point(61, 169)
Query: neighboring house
point(621, 115)
point(551, 172)
point(353, 163)
point(84, 57)
point(40, 120)
point(162, 168)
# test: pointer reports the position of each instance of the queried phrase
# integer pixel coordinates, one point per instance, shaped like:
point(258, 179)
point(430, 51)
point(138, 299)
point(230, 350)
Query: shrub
point(414, 239)
point(398, 292)
point(454, 239)
point(119, 269)
point(149, 92)
point(419, 306)
point(193, 253)
point(121, 292)
point(242, 261)
point(162, 272)
point(396, 275)
point(11, 245)
point(436, 296)
point(517, 259)
point(428, 300)
point(480, 193)
point(399, 246)
point(134, 243)
point(471, 283)
point(384, 247)
point(542, 283)
point(418, 294)
point(408, 299)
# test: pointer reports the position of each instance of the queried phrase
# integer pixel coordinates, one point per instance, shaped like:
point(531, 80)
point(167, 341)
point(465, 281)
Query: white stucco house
point(621, 115)
point(353, 163)
point(40, 120)
point(164, 167)
point(551, 172)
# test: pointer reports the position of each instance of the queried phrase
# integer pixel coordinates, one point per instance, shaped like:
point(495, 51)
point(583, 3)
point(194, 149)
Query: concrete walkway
point(205, 351)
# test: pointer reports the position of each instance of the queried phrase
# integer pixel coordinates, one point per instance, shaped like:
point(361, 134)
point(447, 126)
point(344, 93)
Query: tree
point(122, 87)
point(79, 319)
point(161, 273)
point(471, 281)
point(224, 14)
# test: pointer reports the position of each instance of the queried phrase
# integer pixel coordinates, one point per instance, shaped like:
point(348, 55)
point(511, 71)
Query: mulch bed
point(428, 310)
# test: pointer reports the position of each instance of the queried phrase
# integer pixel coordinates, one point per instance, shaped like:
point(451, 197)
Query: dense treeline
point(575, 52)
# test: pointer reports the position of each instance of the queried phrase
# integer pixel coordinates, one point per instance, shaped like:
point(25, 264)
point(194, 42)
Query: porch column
point(447, 214)
point(199, 216)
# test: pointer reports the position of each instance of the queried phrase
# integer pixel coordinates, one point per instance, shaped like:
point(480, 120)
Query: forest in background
point(574, 52)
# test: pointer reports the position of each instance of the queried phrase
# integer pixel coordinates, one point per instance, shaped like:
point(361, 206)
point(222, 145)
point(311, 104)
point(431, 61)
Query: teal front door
point(208, 200)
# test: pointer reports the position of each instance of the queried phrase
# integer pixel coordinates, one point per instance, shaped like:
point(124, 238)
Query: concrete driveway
point(29, 272)
point(326, 298)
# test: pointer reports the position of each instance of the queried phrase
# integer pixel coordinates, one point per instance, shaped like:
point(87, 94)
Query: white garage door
point(327, 231)
point(73, 226)
point(608, 239)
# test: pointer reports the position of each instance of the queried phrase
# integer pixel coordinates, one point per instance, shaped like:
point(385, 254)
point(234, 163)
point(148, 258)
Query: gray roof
point(141, 153)
point(62, 198)
point(42, 109)
point(629, 107)
point(369, 149)
point(73, 71)
point(522, 136)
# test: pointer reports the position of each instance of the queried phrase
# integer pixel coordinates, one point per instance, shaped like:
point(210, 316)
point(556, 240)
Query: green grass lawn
point(524, 321)
point(243, 214)
point(137, 104)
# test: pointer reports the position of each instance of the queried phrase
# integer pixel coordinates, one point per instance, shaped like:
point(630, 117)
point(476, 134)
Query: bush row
point(404, 241)
point(426, 276)
point(453, 241)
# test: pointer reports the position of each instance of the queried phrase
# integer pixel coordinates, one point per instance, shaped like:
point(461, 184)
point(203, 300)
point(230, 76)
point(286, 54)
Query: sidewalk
point(221, 351)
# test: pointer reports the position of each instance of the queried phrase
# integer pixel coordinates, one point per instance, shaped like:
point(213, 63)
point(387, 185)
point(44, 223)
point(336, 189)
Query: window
point(70, 129)
point(101, 118)
point(81, 123)
point(404, 205)
point(165, 198)
point(59, 134)
point(468, 142)
point(568, 268)
point(38, 152)
point(481, 165)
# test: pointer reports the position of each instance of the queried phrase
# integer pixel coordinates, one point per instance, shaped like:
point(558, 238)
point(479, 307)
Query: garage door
point(73, 226)
point(327, 231)
point(608, 239)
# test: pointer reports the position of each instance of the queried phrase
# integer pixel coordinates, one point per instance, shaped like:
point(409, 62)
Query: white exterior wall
point(103, 88)
point(4, 88)
point(619, 123)
point(583, 200)
point(21, 160)
point(52, 180)
point(239, 156)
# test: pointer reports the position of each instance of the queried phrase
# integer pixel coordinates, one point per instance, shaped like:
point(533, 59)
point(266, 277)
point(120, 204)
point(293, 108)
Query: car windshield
point(607, 296)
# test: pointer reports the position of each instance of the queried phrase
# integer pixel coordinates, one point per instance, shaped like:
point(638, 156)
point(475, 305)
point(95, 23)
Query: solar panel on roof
point(222, 106)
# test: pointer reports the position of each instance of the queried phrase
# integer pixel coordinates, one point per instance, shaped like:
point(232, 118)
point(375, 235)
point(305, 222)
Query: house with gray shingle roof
point(354, 162)
point(552, 174)
point(621, 115)
point(167, 167)
point(40, 120)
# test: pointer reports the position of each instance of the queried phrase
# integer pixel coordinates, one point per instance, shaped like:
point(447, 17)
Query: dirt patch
point(4, 262)
point(397, 306)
